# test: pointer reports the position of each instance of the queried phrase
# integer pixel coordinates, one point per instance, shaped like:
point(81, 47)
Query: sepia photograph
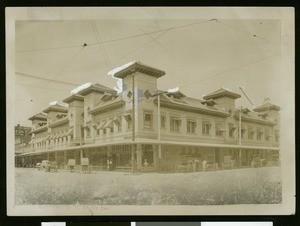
point(159, 111)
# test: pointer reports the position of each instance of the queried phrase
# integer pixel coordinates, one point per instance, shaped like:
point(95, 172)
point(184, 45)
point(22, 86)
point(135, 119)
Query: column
point(48, 156)
point(109, 159)
point(30, 161)
point(65, 158)
point(133, 162)
point(23, 161)
point(155, 156)
point(139, 155)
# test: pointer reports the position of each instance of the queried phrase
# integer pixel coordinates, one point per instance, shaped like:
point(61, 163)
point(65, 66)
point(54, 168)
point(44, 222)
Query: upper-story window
point(87, 111)
point(191, 126)
point(232, 129)
point(128, 119)
point(277, 135)
point(251, 133)
point(118, 123)
point(243, 130)
point(88, 131)
point(206, 127)
point(42, 123)
point(175, 123)
point(71, 117)
point(267, 134)
point(112, 129)
point(219, 130)
point(108, 126)
point(259, 134)
point(147, 120)
point(163, 121)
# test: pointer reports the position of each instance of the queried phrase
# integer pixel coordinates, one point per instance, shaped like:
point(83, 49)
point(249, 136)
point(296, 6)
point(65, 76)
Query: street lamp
point(240, 136)
point(158, 93)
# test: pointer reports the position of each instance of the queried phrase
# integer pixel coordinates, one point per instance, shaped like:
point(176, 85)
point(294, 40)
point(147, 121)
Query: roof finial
point(266, 100)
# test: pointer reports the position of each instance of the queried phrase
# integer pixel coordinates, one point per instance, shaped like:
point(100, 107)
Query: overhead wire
point(229, 70)
point(118, 39)
point(157, 31)
point(100, 46)
point(154, 39)
point(69, 62)
point(243, 31)
point(55, 48)
point(44, 103)
point(101, 43)
point(46, 79)
point(65, 66)
point(140, 47)
point(22, 84)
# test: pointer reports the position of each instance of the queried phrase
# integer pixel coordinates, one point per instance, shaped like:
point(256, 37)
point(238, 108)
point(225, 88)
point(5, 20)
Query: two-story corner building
point(146, 128)
point(22, 139)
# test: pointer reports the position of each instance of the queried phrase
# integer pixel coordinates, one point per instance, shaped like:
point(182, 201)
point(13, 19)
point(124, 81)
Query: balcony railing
point(53, 144)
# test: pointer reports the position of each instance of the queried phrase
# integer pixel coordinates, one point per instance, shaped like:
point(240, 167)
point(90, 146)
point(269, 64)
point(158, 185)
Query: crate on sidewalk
point(85, 165)
point(71, 165)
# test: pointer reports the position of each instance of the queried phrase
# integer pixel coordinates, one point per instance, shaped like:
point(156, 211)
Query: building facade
point(22, 139)
point(146, 129)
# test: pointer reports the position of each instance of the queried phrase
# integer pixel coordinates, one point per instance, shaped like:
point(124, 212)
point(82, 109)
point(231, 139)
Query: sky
point(198, 55)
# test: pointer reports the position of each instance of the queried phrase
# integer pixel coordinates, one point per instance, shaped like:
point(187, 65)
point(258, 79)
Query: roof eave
point(59, 122)
point(194, 109)
point(256, 120)
point(73, 98)
point(40, 129)
point(36, 117)
point(89, 90)
point(52, 108)
point(232, 95)
point(96, 90)
point(99, 109)
point(260, 109)
point(136, 67)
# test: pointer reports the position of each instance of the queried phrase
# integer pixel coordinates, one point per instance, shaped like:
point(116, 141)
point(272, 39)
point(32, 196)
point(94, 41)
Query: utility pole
point(133, 127)
point(240, 136)
point(240, 125)
point(148, 95)
point(158, 131)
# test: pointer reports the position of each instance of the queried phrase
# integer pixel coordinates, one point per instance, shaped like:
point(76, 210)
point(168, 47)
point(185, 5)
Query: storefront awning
point(117, 122)
point(101, 125)
point(151, 141)
point(70, 132)
point(56, 136)
point(60, 135)
point(127, 117)
point(31, 141)
point(64, 134)
point(109, 124)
